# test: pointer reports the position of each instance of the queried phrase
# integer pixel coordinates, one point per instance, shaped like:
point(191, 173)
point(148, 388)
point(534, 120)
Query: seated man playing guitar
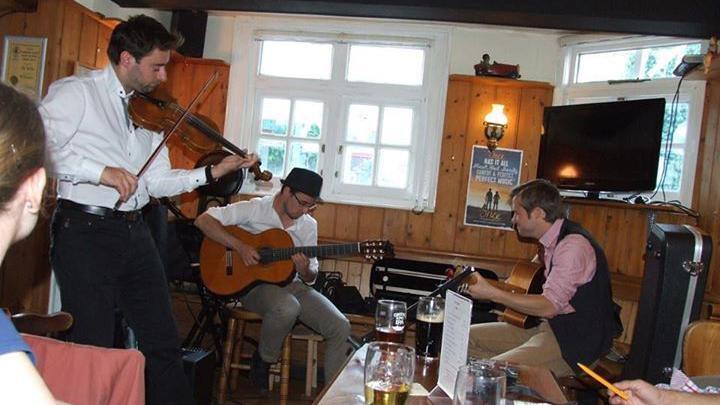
point(281, 306)
point(576, 307)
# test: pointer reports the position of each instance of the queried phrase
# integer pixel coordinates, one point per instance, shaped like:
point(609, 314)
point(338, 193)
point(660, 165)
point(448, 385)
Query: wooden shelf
point(621, 204)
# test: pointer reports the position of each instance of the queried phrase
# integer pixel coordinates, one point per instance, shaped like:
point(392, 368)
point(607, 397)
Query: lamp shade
point(497, 116)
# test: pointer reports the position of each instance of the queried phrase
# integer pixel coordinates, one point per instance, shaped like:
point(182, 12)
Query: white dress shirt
point(258, 215)
point(88, 129)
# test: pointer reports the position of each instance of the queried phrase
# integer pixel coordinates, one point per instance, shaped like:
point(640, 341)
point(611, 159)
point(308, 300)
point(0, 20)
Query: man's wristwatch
point(208, 174)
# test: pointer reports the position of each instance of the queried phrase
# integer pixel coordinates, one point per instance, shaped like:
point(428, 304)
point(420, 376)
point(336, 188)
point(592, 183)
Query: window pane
point(640, 63)
point(362, 123)
point(358, 164)
point(307, 119)
point(396, 126)
point(272, 155)
point(275, 115)
point(386, 64)
point(680, 133)
point(393, 168)
point(305, 154)
point(673, 177)
point(302, 60)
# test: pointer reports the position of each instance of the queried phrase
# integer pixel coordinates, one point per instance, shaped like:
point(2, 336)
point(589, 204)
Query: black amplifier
point(407, 280)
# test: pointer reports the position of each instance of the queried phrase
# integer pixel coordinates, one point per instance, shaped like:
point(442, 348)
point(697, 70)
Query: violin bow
point(162, 143)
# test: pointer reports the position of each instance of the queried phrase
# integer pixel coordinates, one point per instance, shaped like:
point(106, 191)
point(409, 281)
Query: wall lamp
point(495, 124)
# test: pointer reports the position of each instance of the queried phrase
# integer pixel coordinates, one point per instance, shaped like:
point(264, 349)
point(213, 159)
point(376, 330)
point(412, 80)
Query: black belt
point(131, 216)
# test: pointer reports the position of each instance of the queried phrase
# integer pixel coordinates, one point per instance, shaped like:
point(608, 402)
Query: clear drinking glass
point(479, 385)
point(389, 370)
point(390, 321)
point(429, 326)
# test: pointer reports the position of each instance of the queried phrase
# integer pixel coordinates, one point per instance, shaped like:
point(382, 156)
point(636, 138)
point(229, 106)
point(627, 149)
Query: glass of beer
point(389, 370)
point(390, 321)
point(429, 326)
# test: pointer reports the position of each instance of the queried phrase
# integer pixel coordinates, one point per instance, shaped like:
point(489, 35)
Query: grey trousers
point(281, 307)
point(535, 346)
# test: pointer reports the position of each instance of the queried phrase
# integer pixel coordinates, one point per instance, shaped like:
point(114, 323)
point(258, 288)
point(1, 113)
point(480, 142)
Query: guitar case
point(676, 264)
point(408, 280)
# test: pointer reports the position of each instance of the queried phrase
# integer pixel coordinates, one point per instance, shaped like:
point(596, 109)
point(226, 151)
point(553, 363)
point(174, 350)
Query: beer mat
point(417, 390)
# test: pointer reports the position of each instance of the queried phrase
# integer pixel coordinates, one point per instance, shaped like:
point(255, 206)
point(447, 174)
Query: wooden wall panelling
point(419, 230)
point(70, 40)
point(467, 239)
point(532, 103)
point(103, 40)
point(395, 226)
point(346, 222)
point(444, 219)
point(707, 178)
point(510, 98)
point(88, 44)
point(324, 214)
point(370, 223)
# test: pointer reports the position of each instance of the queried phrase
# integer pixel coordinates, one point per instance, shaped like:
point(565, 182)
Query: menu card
point(456, 331)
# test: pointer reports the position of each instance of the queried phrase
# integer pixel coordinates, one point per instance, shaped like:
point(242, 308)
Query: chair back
point(701, 349)
point(42, 324)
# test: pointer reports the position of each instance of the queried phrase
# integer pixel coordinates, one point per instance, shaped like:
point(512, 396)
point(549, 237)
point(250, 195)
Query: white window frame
point(691, 92)
point(247, 88)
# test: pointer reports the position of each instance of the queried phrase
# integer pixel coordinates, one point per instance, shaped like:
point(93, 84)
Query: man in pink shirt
point(575, 306)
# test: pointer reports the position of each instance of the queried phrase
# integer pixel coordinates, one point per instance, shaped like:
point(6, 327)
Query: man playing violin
point(578, 315)
point(282, 306)
point(104, 258)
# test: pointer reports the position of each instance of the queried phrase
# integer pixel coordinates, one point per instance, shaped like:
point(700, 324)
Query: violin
point(197, 132)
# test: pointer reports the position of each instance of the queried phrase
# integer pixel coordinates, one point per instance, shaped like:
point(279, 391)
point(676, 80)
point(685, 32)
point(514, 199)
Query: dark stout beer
point(428, 334)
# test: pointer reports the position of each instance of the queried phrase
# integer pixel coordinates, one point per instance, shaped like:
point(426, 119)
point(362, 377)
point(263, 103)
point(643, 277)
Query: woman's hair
point(139, 35)
point(22, 141)
point(542, 194)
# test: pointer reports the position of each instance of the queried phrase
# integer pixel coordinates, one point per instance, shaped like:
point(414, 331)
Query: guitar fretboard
point(268, 255)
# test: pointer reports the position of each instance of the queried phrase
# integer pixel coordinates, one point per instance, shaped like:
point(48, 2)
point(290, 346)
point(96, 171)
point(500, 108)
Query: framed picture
point(23, 65)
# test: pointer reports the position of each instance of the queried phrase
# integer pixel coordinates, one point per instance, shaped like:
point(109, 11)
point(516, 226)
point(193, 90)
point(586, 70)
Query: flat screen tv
point(602, 147)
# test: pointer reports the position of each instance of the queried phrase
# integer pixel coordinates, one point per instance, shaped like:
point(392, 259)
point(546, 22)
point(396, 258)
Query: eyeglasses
point(305, 204)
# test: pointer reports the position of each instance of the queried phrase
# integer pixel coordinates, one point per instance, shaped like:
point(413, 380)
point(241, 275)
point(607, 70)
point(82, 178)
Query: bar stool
point(233, 357)
point(311, 365)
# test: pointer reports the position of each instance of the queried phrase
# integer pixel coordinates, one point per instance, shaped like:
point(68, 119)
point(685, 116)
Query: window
point(361, 103)
point(642, 68)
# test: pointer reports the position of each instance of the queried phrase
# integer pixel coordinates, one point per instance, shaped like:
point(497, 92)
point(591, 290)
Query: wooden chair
point(701, 349)
point(234, 359)
point(42, 324)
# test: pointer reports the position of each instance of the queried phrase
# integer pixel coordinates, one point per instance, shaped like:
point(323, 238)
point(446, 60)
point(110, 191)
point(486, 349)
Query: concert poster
point(492, 176)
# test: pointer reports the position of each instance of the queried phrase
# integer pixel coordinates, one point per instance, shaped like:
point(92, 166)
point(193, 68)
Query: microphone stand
point(357, 342)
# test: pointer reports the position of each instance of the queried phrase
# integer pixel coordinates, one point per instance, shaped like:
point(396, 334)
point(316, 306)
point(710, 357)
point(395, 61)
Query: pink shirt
point(573, 264)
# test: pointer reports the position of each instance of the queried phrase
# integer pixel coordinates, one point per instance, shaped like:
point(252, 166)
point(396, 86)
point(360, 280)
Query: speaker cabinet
point(191, 25)
point(199, 367)
point(676, 261)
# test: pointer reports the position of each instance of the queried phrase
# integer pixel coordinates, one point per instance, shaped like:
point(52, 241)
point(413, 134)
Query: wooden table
point(347, 387)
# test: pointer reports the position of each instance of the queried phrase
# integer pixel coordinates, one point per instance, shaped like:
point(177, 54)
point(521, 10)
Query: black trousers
point(104, 263)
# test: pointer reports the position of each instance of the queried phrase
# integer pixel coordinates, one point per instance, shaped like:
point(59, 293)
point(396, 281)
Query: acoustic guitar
point(224, 273)
point(525, 278)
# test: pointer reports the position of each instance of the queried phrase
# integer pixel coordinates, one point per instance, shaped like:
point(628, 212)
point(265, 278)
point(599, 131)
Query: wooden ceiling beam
point(690, 18)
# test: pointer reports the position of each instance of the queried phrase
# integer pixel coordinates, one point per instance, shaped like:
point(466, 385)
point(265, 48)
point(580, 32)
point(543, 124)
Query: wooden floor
point(248, 395)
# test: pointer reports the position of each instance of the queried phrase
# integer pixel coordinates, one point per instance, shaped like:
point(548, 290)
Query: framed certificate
point(23, 65)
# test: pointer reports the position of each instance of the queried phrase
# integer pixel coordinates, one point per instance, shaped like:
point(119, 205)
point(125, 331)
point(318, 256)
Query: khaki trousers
point(535, 346)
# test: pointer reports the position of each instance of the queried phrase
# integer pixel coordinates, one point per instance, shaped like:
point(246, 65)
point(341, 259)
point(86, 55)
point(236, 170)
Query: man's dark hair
point(542, 194)
point(140, 35)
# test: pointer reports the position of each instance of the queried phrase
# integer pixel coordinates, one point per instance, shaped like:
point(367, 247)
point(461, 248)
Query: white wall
point(536, 51)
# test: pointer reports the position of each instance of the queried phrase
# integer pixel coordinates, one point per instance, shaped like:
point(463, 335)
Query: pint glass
point(389, 370)
point(429, 326)
point(390, 321)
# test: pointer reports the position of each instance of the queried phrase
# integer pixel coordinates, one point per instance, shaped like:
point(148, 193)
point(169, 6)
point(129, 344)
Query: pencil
point(604, 382)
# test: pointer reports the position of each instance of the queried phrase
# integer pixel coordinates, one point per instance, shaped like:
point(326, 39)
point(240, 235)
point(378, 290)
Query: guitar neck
point(315, 251)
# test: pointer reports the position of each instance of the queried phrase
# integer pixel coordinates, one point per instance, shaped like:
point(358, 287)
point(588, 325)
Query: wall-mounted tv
point(611, 147)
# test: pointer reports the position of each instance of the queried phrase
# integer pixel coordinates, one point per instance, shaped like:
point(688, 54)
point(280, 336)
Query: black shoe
point(259, 373)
